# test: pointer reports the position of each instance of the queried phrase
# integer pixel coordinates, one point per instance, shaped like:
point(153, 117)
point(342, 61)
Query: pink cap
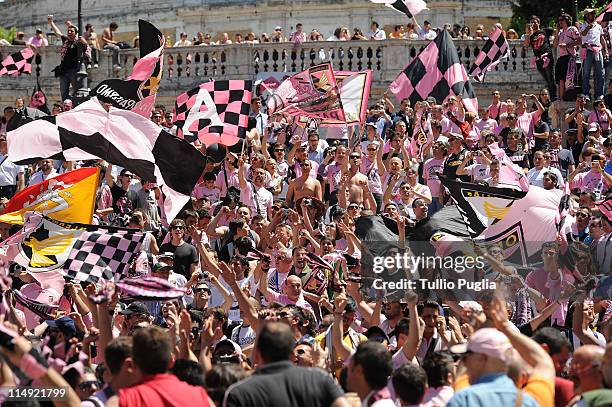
point(593, 127)
point(488, 341)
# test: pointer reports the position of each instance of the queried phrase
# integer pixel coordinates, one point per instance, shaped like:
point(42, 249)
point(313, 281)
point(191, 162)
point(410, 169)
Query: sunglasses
point(301, 351)
point(88, 384)
point(355, 157)
point(128, 175)
point(279, 151)
point(199, 290)
point(581, 215)
point(371, 149)
point(176, 227)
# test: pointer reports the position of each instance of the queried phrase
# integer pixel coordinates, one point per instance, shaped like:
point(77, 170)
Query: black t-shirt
point(184, 256)
point(540, 127)
point(561, 160)
point(283, 384)
point(124, 202)
point(585, 122)
point(518, 157)
point(506, 130)
point(540, 42)
point(453, 162)
point(71, 59)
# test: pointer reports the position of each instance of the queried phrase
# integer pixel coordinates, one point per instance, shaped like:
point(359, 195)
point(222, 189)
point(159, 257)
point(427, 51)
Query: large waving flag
point(69, 197)
point(214, 112)
point(78, 251)
point(312, 93)
point(354, 93)
point(509, 172)
point(491, 54)
point(409, 7)
point(519, 221)
point(437, 72)
point(137, 92)
point(120, 137)
point(17, 63)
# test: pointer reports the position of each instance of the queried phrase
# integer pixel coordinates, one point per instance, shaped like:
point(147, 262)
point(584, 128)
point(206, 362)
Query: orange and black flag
point(69, 197)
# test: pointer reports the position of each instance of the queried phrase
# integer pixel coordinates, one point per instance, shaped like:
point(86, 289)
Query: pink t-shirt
point(565, 37)
point(539, 280)
point(526, 122)
point(430, 170)
point(488, 124)
point(35, 292)
point(273, 296)
point(600, 118)
point(265, 199)
point(332, 176)
point(232, 181)
point(496, 110)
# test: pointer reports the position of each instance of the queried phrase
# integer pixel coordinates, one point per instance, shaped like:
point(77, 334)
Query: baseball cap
point(135, 308)
point(67, 102)
point(589, 10)
point(278, 28)
point(160, 265)
point(454, 136)
point(166, 255)
point(38, 30)
point(488, 341)
point(593, 127)
point(375, 333)
point(64, 324)
point(443, 140)
point(229, 344)
point(370, 124)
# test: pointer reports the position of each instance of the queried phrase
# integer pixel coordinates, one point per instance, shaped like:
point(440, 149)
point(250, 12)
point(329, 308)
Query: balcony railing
point(189, 66)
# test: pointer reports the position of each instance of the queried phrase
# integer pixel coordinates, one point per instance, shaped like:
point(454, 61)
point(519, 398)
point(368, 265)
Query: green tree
point(549, 10)
point(8, 34)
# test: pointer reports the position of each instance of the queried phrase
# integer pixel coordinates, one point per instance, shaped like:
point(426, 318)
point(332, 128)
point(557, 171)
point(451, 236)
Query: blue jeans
point(67, 79)
point(598, 66)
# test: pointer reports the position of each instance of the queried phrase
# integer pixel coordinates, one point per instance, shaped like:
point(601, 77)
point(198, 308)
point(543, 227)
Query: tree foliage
point(549, 10)
point(8, 33)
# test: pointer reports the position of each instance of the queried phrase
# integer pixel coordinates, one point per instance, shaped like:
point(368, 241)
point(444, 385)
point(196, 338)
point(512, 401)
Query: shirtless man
point(356, 180)
point(109, 43)
point(304, 185)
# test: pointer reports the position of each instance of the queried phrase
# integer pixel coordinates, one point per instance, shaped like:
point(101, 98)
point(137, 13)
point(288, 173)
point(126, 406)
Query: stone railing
point(185, 68)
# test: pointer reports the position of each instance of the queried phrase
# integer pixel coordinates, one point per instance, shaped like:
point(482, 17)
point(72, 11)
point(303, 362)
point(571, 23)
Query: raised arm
point(54, 26)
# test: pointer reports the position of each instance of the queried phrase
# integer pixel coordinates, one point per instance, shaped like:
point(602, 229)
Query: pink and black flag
point(312, 93)
point(491, 54)
point(120, 137)
point(139, 90)
point(214, 112)
point(17, 63)
point(39, 99)
point(436, 72)
point(409, 7)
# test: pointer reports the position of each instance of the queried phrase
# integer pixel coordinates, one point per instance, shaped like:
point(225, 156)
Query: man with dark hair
point(368, 374)
point(410, 384)
point(152, 355)
point(108, 42)
point(432, 340)
point(185, 254)
point(440, 370)
point(559, 349)
point(119, 361)
point(277, 382)
point(125, 200)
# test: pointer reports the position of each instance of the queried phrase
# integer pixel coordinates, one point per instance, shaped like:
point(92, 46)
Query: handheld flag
point(39, 99)
point(491, 54)
point(17, 63)
point(214, 112)
point(78, 251)
point(120, 137)
point(354, 94)
point(312, 93)
point(437, 72)
point(138, 92)
point(69, 197)
point(409, 7)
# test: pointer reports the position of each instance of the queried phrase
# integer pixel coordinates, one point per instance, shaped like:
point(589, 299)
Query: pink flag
point(311, 93)
point(509, 173)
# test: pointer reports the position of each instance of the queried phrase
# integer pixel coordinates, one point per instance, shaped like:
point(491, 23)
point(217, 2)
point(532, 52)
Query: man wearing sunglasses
point(185, 255)
point(125, 200)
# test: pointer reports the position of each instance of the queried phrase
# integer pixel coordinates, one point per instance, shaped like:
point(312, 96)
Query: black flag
point(39, 99)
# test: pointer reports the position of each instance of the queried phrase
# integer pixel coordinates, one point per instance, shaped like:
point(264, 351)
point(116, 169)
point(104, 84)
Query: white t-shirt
point(536, 177)
point(243, 335)
point(593, 37)
point(264, 198)
point(39, 177)
point(377, 35)
point(9, 171)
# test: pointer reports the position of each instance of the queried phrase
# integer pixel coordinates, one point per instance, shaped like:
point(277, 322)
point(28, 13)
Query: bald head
point(586, 367)
point(590, 353)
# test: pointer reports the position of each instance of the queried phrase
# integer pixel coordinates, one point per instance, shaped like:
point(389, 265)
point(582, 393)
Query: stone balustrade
point(185, 68)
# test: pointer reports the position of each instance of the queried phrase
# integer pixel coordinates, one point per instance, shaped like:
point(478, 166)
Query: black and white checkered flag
point(103, 255)
point(494, 50)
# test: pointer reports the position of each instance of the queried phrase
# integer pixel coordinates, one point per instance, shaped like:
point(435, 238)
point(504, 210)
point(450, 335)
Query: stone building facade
point(243, 16)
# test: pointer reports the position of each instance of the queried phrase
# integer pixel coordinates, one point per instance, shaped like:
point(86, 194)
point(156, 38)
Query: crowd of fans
point(260, 324)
